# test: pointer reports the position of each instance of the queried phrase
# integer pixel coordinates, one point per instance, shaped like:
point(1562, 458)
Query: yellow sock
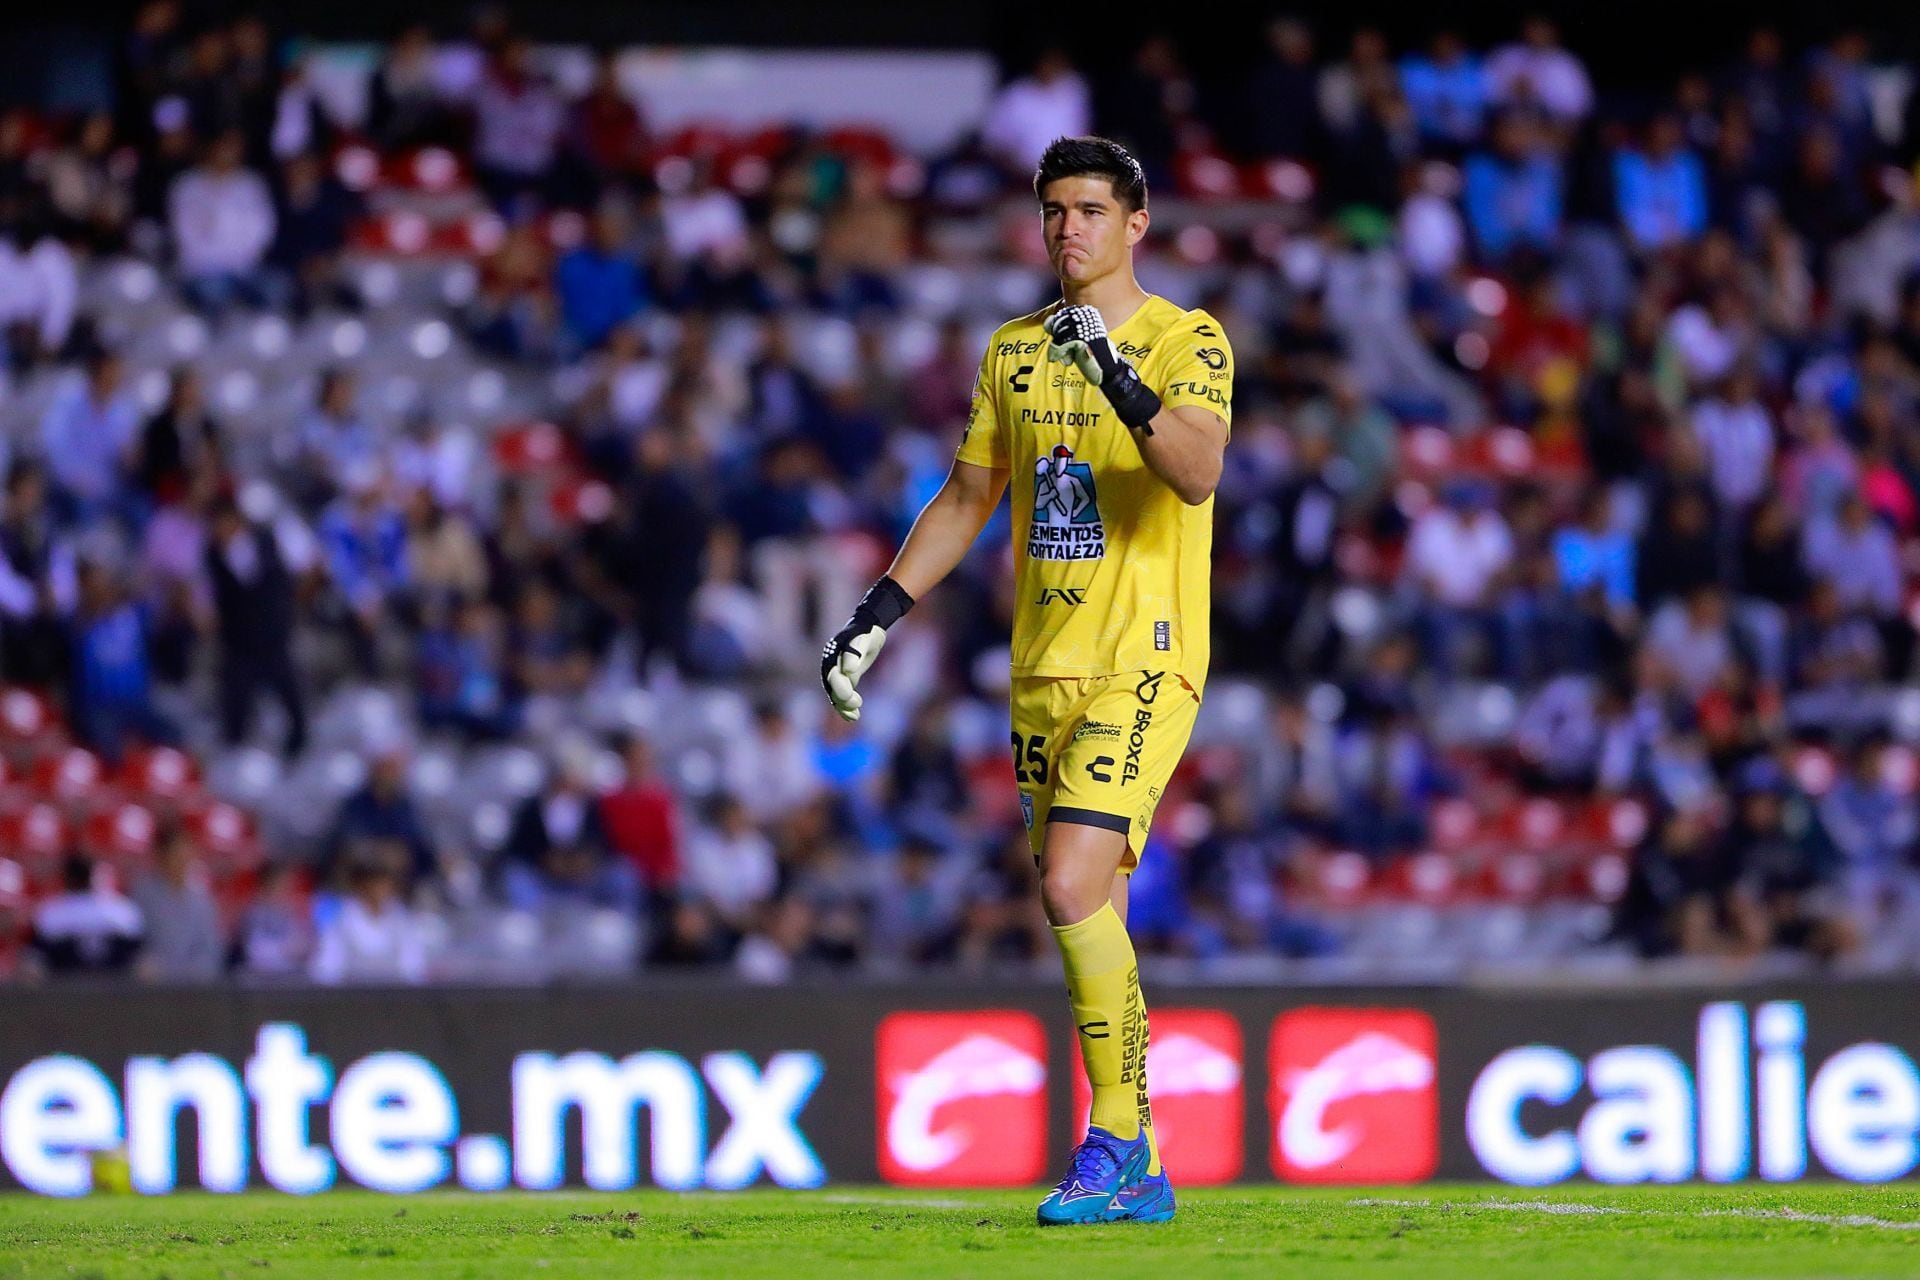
point(1103, 983)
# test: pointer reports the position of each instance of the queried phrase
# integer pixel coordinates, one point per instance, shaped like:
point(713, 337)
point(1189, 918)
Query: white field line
point(1825, 1219)
point(1574, 1207)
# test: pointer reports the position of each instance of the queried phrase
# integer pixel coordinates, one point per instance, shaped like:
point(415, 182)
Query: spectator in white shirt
point(518, 120)
point(374, 937)
point(730, 863)
point(1539, 70)
point(1693, 641)
point(1457, 555)
point(223, 224)
point(1032, 111)
point(772, 769)
point(87, 928)
point(1736, 434)
point(1859, 555)
point(39, 292)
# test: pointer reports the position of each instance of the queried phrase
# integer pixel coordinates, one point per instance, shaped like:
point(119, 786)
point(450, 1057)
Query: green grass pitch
point(1432, 1232)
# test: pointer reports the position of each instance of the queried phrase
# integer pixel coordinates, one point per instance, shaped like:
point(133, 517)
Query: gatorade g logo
point(1194, 1060)
point(1066, 510)
point(962, 1099)
point(1353, 1096)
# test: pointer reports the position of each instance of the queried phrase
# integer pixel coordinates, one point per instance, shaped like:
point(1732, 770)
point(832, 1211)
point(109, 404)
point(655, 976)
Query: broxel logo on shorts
point(1194, 1064)
point(1353, 1096)
point(962, 1098)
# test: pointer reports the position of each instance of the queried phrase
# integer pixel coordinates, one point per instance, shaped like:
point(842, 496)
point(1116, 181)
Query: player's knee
point(1069, 895)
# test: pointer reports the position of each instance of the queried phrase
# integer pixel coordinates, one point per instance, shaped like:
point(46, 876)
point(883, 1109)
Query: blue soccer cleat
point(1102, 1167)
point(1148, 1200)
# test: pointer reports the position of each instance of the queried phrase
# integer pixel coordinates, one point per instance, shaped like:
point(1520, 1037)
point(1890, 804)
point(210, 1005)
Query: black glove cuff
point(1133, 400)
point(887, 601)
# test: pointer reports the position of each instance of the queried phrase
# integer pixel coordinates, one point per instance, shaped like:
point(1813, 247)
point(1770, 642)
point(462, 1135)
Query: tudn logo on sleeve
point(962, 1098)
point(1193, 1060)
point(1066, 510)
point(1353, 1096)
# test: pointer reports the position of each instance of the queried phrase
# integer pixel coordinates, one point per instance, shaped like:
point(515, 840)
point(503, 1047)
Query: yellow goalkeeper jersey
point(1112, 568)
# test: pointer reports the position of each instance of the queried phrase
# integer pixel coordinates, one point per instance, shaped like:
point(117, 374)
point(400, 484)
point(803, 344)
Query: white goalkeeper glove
point(854, 647)
point(1079, 338)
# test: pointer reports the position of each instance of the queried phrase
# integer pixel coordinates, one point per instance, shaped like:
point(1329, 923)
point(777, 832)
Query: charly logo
point(1066, 510)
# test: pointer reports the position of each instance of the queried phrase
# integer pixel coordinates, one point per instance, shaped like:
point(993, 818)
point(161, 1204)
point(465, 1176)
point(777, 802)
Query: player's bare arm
point(940, 537)
point(1187, 449)
point(947, 526)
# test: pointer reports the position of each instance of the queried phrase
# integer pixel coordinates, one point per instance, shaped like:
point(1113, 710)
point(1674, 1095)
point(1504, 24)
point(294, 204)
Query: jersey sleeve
point(1199, 368)
point(984, 443)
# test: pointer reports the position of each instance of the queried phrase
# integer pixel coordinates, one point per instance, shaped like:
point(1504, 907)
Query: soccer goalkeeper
point(1109, 410)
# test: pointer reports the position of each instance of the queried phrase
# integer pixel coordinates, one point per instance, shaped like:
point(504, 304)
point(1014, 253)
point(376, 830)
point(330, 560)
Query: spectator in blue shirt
point(1594, 554)
point(1874, 827)
point(1514, 192)
point(599, 283)
point(89, 435)
point(1661, 189)
point(365, 542)
point(332, 438)
point(1447, 89)
point(112, 691)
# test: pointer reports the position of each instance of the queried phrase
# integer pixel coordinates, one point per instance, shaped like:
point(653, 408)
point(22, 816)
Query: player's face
point(1088, 232)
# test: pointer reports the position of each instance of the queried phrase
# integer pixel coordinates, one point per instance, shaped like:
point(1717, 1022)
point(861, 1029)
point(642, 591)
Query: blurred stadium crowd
point(417, 538)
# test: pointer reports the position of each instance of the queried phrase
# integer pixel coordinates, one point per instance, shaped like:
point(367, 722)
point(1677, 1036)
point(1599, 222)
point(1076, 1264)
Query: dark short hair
point(76, 872)
point(1093, 158)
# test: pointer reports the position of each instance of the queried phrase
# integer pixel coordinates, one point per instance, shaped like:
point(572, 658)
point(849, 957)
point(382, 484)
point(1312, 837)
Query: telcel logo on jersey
point(1354, 1098)
point(1651, 1119)
point(1194, 1067)
point(962, 1098)
point(1066, 510)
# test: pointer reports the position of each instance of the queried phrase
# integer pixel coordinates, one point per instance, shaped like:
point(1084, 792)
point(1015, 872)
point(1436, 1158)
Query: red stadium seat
point(37, 837)
point(1429, 878)
point(69, 775)
point(227, 836)
point(120, 832)
point(860, 145)
point(1602, 879)
point(1518, 878)
point(533, 446)
point(1339, 880)
point(159, 772)
point(1206, 175)
point(1454, 824)
point(1285, 180)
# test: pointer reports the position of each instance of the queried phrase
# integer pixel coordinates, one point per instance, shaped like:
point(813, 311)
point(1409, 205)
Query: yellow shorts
point(1099, 751)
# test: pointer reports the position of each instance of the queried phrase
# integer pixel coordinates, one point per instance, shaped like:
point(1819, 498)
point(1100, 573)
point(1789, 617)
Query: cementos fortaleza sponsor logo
point(962, 1098)
point(392, 1121)
point(1748, 1103)
point(1353, 1096)
point(1195, 1072)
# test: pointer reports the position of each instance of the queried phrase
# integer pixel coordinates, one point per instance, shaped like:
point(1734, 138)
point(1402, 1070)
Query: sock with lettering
point(1103, 983)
